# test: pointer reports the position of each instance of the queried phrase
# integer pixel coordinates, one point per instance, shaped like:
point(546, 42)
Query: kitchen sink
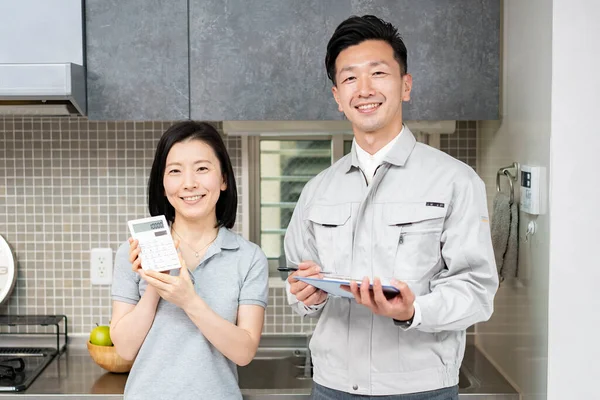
point(290, 369)
point(276, 369)
point(466, 379)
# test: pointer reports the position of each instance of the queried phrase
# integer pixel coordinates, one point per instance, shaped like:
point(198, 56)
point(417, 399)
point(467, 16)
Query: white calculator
point(154, 236)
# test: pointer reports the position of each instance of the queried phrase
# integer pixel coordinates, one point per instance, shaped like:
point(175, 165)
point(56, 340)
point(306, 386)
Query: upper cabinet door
point(264, 60)
point(453, 55)
point(137, 59)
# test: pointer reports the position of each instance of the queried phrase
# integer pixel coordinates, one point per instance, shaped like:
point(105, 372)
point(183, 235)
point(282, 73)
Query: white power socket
point(101, 266)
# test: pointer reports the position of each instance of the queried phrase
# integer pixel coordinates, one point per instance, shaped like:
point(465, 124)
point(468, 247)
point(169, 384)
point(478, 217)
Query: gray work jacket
point(423, 220)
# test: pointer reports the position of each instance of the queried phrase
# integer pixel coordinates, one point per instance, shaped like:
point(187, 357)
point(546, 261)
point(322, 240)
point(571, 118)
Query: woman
point(187, 330)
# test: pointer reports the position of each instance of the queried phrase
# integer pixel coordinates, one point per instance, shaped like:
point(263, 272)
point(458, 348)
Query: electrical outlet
point(101, 266)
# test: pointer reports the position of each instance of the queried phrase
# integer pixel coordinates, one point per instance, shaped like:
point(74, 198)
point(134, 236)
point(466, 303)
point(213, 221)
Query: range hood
point(47, 89)
point(41, 62)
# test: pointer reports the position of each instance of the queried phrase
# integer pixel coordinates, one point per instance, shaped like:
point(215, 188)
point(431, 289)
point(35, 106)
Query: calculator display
point(148, 226)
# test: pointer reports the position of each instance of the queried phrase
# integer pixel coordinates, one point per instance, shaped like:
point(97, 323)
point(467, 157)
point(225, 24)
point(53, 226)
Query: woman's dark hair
point(183, 131)
point(356, 30)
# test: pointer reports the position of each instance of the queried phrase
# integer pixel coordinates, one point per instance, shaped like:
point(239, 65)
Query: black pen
point(294, 269)
point(287, 269)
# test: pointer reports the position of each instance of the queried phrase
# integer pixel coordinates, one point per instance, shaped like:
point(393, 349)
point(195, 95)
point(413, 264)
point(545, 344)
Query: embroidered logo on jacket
point(433, 204)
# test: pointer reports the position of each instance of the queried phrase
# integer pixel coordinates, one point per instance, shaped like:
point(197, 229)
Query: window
point(285, 165)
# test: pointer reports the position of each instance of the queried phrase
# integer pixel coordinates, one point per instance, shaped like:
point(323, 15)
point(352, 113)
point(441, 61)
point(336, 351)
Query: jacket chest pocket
point(333, 236)
point(411, 237)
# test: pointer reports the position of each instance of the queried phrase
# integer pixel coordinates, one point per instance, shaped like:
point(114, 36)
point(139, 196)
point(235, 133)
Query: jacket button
point(355, 387)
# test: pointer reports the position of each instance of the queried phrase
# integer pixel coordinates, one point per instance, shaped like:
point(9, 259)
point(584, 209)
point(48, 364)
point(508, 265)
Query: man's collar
point(397, 155)
point(402, 149)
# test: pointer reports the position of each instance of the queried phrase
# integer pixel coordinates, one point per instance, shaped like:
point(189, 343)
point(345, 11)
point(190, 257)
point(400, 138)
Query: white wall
point(574, 345)
point(544, 333)
point(515, 338)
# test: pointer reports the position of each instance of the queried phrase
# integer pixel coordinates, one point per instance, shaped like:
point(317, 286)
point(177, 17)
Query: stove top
point(20, 366)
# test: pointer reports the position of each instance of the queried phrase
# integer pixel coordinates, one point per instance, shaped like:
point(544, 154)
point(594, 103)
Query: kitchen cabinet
point(265, 60)
point(453, 55)
point(137, 59)
point(261, 60)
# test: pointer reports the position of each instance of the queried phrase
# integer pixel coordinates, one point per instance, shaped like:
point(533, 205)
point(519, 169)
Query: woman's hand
point(178, 290)
point(134, 257)
point(136, 260)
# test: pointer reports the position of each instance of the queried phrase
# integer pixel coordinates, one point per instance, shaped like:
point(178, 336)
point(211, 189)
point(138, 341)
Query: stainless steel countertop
point(74, 375)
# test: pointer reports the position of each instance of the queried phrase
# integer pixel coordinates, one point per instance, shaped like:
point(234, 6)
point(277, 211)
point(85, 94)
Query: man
point(397, 210)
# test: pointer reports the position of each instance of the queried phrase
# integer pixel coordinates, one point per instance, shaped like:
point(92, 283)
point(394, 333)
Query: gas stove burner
point(9, 367)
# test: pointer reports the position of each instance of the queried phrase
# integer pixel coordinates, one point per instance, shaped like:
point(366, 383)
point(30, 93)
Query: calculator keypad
point(159, 255)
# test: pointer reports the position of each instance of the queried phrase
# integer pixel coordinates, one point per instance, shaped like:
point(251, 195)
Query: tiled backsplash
point(68, 185)
point(463, 143)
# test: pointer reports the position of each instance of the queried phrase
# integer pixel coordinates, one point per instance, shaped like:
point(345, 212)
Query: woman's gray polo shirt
point(176, 361)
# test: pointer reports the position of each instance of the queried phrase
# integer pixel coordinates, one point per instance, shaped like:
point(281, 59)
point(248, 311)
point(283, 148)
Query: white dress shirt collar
point(369, 162)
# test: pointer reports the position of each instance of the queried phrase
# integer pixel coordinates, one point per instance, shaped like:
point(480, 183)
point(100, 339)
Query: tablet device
point(331, 285)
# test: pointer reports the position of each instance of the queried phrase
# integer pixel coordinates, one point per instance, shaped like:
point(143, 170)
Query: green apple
point(100, 336)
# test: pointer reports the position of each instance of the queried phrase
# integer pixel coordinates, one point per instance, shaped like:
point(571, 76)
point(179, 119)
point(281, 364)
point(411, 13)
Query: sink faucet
point(308, 360)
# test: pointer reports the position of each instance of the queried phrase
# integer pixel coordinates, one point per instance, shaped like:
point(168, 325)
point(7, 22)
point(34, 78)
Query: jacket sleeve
point(299, 245)
point(462, 294)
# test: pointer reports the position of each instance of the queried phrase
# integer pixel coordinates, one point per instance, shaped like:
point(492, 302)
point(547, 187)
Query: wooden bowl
point(107, 358)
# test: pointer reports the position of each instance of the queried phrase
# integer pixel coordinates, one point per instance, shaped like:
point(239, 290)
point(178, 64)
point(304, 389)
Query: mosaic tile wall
point(463, 143)
point(68, 185)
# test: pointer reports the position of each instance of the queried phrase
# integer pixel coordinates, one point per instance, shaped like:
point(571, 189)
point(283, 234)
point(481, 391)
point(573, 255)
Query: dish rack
point(38, 320)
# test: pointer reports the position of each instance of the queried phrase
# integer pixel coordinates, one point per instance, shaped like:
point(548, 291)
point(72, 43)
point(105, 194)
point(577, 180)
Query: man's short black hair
point(356, 30)
point(183, 131)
